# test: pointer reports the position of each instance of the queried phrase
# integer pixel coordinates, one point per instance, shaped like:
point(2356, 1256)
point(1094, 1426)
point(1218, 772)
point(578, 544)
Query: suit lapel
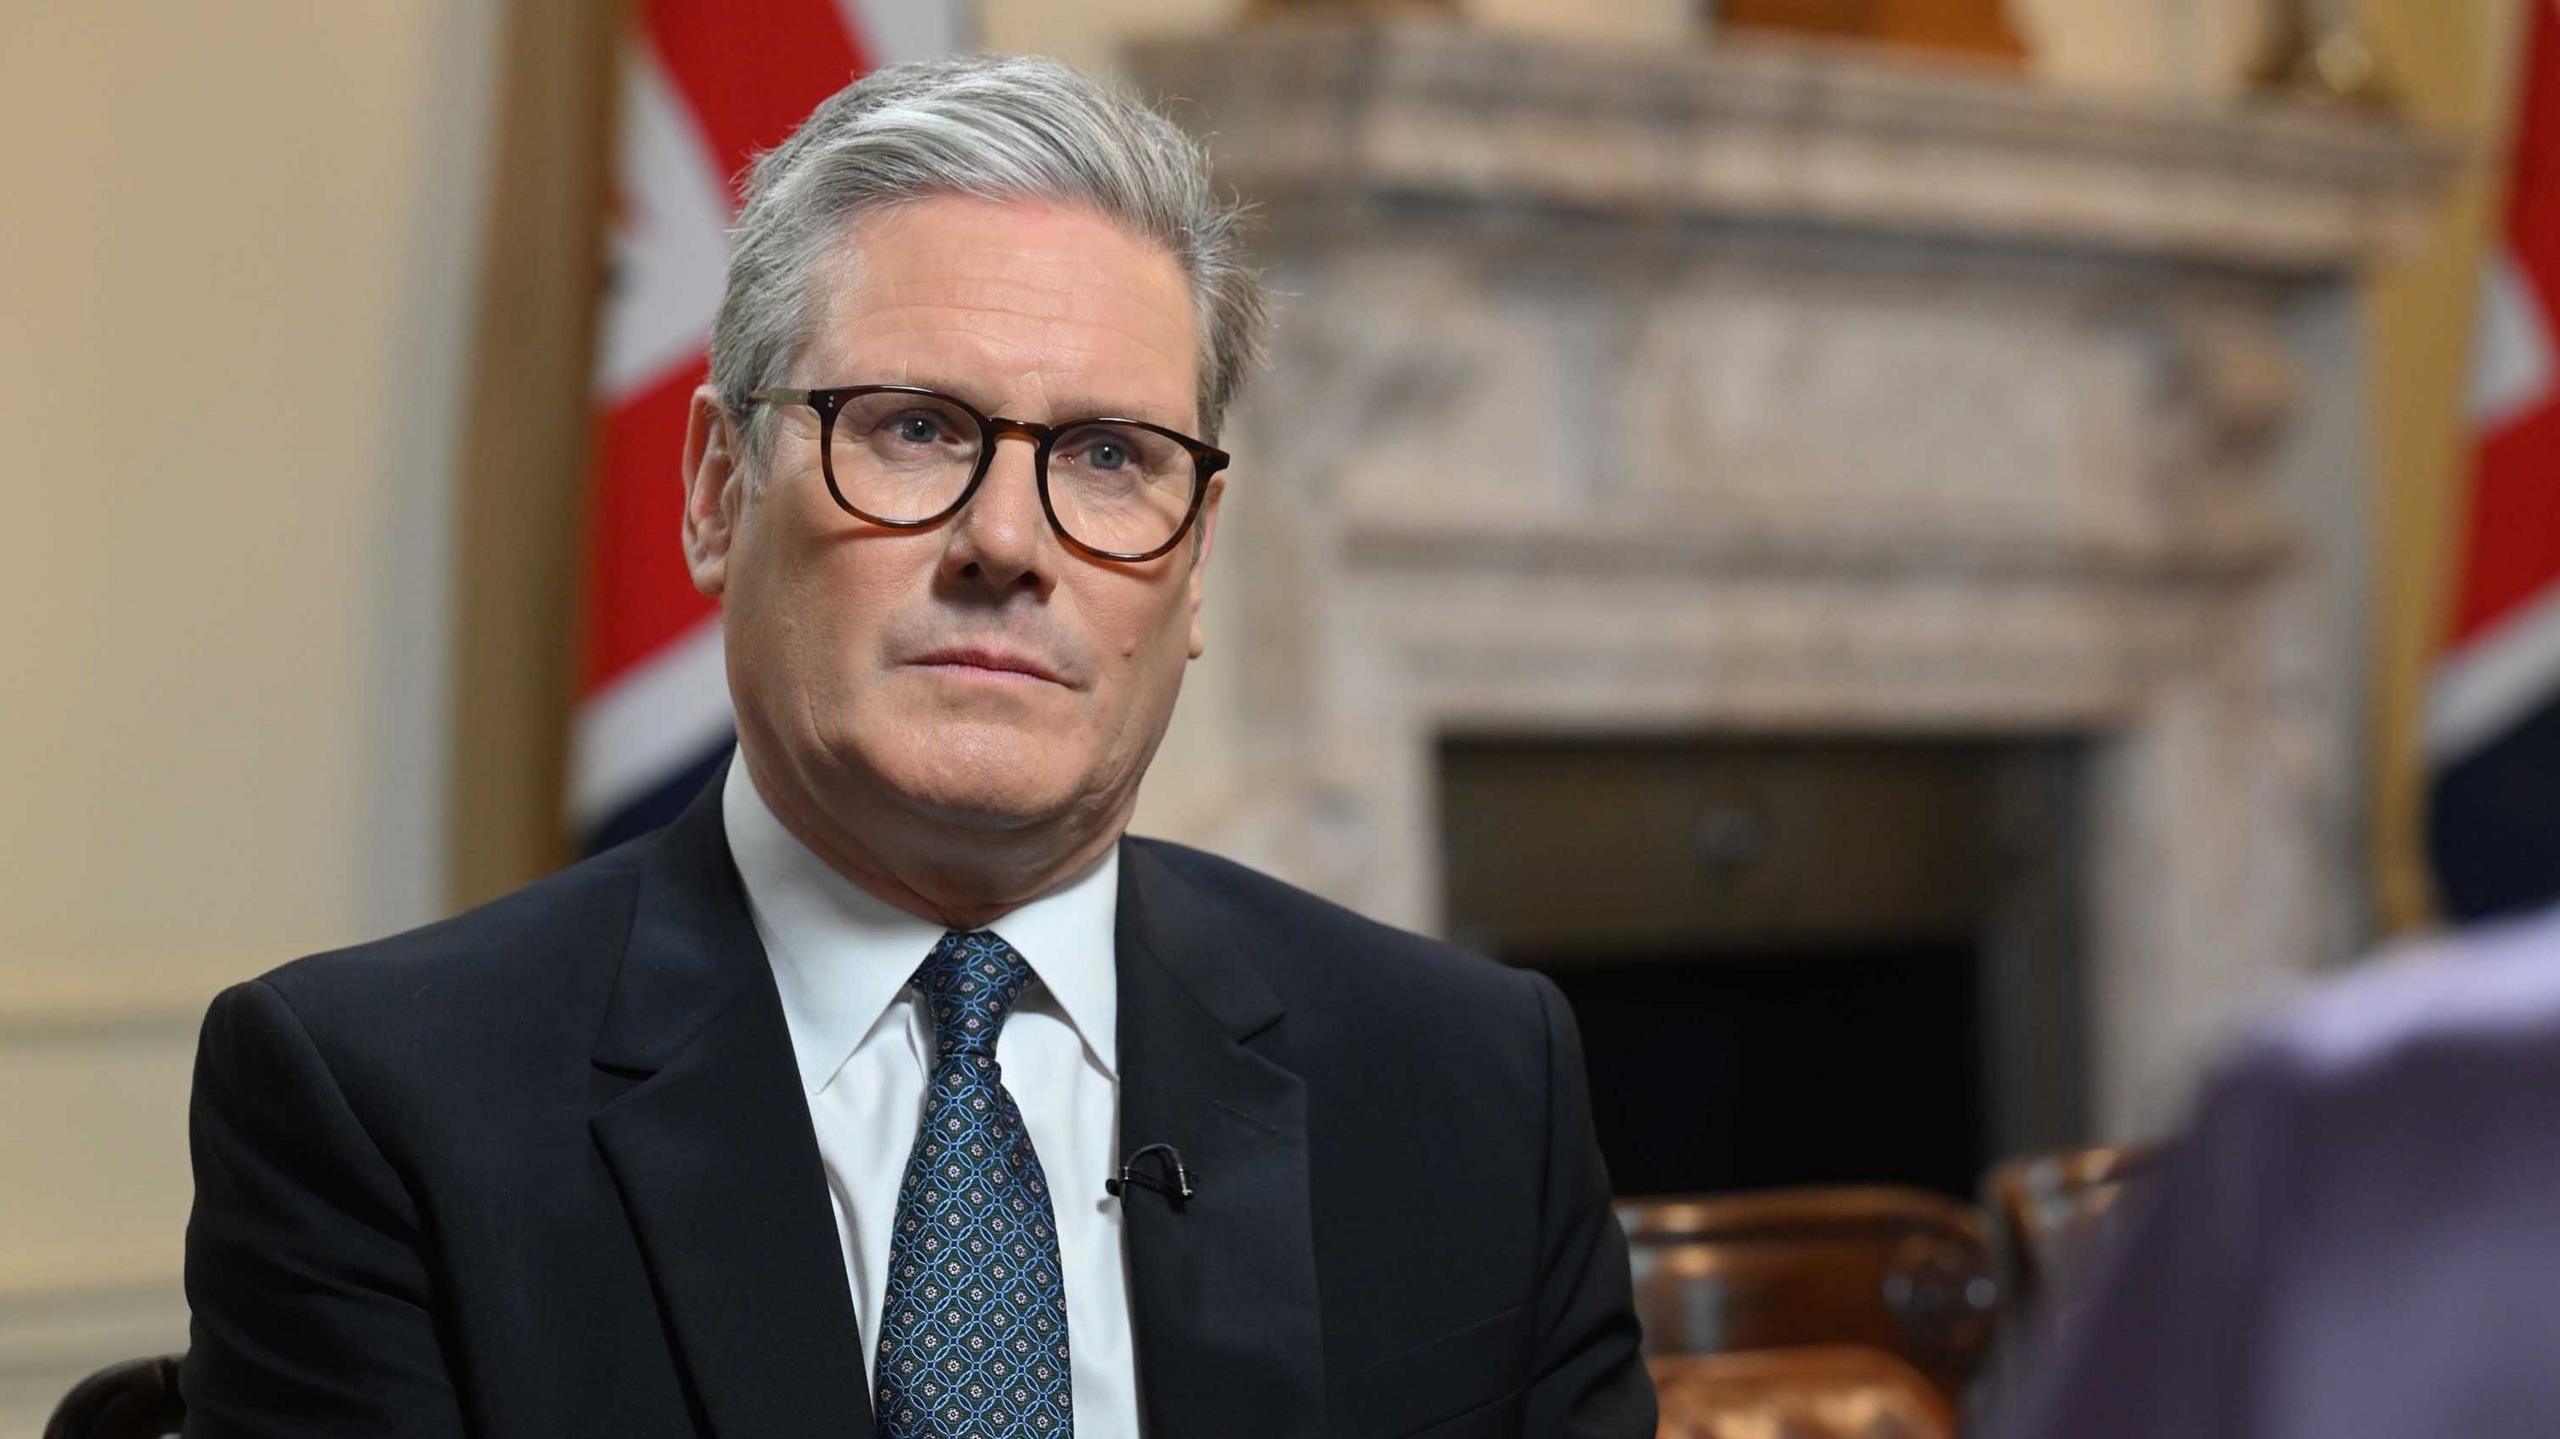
point(1223, 1289)
point(710, 1143)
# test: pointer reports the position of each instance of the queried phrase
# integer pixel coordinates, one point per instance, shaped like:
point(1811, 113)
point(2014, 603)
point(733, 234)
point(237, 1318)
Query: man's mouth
point(989, 662)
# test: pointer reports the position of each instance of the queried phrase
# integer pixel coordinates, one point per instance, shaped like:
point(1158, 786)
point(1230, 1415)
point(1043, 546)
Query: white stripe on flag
point(671, 245)
point(2511, 369)
point(2490, 685)
point(644, 728)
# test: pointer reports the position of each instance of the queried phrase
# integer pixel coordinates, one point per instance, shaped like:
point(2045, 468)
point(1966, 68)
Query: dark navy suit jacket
point(546, 1169)
point(2361, 1237)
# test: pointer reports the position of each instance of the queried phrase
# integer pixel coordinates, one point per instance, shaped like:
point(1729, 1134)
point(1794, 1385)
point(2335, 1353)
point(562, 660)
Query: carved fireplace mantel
point(1777, 389)
point(1752, 128)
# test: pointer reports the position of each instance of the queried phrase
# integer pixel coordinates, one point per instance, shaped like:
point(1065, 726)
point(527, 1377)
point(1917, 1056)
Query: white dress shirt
point(863, 1039)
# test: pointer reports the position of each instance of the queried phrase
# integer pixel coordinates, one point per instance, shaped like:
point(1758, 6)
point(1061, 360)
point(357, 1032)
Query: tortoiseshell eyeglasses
point(908, 457)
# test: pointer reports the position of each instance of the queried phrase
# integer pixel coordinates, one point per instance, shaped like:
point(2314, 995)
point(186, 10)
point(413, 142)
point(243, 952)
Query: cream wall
point(237, 258)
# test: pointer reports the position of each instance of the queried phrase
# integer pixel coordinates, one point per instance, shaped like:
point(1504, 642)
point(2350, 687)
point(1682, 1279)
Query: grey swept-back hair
point(988, 127)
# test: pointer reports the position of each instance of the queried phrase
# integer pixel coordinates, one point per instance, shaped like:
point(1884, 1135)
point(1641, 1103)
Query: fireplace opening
point(1747, 1071)
point(1800, 960)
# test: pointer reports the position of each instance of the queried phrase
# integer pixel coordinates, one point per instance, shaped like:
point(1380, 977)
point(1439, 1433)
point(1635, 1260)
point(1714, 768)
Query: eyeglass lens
point(906, 458)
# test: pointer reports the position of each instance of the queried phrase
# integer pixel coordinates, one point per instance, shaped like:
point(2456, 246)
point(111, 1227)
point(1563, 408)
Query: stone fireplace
point(1760, 394)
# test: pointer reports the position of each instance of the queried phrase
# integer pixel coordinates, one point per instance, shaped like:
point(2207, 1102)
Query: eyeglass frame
point(1207, 460)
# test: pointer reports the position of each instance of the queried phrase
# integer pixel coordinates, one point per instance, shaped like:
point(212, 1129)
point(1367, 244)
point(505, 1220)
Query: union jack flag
point(2493, 717)
point(706, 86)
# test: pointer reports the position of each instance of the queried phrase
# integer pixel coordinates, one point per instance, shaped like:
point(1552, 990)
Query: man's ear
point(715, 488)
point(1204, 539)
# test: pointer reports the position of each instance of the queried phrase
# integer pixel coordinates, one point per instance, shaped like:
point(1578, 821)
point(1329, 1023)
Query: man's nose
point(1001, 538)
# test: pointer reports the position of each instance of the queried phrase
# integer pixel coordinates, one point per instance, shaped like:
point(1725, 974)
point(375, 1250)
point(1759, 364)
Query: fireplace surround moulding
point(1767, 389)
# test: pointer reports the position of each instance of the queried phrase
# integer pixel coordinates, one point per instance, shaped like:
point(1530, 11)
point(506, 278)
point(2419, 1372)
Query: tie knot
point(971, 981)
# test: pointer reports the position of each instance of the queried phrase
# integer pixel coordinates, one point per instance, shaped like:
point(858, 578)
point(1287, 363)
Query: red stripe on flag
point(639, 594)
point(2532, 221)
point(2513, 557)
point(2512, 552)
point(751, 73)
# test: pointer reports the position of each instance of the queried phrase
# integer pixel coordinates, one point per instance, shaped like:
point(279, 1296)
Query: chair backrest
point(137, 1399)
point(2056, 1211)
point(1827, 1392)
point(1895, 1270)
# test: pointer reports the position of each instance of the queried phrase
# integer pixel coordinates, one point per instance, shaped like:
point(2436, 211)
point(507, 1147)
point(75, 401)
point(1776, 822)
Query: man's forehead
point(968, 295)
point(1049, 260)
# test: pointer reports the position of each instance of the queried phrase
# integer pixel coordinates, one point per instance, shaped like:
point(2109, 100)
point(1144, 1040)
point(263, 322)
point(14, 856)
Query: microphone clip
point(1169, 1176)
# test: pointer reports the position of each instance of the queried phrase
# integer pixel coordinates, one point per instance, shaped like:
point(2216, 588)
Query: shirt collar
point(841, 954)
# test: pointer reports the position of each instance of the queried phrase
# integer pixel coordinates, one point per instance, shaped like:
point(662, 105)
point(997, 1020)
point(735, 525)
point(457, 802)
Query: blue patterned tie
point(973, 1328)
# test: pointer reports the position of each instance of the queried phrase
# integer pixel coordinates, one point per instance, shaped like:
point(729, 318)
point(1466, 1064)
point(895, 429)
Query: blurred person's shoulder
point(2354, 1234)
point(2356, 1229)
point(2462, 995)
point(2425, 1085)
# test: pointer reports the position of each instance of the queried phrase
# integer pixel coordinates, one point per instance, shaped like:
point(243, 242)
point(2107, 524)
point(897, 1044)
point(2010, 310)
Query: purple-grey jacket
point(2360, 1238)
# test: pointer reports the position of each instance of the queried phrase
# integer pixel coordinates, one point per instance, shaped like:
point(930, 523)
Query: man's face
point(876, 668)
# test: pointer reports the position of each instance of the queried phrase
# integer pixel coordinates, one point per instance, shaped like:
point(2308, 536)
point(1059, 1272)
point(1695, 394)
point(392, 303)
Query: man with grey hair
point(892, 1089)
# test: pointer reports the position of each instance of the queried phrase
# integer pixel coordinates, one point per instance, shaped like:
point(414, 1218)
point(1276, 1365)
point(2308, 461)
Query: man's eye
point(1100, 451)
point(916, 429)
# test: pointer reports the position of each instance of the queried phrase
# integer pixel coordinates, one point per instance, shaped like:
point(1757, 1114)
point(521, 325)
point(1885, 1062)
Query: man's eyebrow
point(1085, 407)
point(1075, 406)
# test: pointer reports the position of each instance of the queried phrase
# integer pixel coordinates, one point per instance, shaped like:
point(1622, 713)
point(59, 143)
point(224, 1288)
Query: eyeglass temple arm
point(777, 397)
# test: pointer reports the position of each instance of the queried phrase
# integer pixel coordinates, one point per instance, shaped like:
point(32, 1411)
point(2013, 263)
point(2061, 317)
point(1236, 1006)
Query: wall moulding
point(1307, 109)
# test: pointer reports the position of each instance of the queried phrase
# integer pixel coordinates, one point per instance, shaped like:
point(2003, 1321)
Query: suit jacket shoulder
point(493, 951)
point(1335, 959)
point(1409, 1046)
point(439, 1035)
point(1471, 1272)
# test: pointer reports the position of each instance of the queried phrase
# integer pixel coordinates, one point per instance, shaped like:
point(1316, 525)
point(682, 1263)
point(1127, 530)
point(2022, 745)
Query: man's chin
point(994, 782)
point(990, 810)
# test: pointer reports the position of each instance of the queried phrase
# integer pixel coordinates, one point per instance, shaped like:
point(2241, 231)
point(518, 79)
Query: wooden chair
point(137, 1399)
point(1898, 1271)
point(2055, 1212)
point(1816, 1392)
